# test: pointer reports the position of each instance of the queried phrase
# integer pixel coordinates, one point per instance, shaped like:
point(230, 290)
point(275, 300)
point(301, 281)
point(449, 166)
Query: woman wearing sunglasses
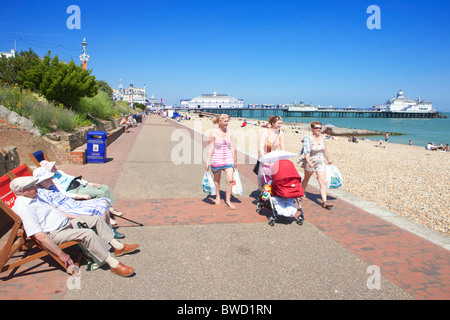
point(315, 153)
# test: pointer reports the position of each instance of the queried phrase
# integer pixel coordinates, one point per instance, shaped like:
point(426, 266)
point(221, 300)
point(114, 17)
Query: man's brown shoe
point(127, 248)
point(122, 270)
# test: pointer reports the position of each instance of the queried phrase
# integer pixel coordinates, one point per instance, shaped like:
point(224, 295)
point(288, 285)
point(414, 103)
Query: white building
point(212, 101)
point(8, 54)
point(301, 106)
point(403, 104)
point(131, 94)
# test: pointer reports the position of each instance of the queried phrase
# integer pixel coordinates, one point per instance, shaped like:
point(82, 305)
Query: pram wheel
point(301, 217)
point(271, 222)
point(258, 207)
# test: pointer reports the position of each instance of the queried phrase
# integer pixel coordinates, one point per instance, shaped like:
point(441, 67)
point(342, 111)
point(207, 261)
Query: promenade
point(191, 249)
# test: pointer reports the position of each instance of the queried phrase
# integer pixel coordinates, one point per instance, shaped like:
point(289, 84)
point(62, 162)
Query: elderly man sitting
point(71, 208)
point(50, 227)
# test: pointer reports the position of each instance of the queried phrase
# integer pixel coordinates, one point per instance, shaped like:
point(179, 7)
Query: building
point(131, 94)
point(212, 101)
point(8, 54)
point(403, 104)
point(301, 106)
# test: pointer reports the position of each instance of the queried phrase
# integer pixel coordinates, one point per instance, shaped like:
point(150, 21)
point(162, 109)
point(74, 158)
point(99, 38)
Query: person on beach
point(222, 156)
point(270, 140)
point(315, 152)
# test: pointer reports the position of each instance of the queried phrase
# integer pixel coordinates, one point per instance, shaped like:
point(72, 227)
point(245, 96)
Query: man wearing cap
point(50, 228)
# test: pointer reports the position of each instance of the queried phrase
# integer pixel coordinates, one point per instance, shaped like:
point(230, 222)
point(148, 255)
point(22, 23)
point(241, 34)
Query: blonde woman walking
point(222, 156)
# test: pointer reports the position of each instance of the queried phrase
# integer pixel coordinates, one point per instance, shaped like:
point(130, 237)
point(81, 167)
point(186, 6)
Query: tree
point(12, 69)
point(62, 82)
point(104, 86)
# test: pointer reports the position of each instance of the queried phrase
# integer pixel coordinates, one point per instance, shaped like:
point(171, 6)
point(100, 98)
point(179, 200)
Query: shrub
point(65, 120)
point(82, 120)
point(100, 106)
point(43, 118)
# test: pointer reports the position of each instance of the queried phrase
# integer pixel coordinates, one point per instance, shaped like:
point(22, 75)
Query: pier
point(265, 113)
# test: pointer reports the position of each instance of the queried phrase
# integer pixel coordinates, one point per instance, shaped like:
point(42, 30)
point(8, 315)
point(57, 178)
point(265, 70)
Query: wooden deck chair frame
point(18, 241)
point(17, 172)
point(35, 160)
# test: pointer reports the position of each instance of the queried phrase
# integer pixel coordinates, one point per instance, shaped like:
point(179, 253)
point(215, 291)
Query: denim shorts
point(217, 169)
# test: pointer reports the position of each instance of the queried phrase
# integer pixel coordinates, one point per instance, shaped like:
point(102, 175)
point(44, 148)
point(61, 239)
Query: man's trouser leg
point(96, 243)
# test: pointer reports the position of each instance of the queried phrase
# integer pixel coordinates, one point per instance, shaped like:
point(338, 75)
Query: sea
point(419, 131)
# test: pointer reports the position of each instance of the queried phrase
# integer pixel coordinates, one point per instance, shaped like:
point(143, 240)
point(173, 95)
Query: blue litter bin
point(96, 147)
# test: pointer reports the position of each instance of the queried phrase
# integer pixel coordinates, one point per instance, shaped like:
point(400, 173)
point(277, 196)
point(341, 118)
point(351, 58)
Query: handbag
point(74, 184)
point(256, 167)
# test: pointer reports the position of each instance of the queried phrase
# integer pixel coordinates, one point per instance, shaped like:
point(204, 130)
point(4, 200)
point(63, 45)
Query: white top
point(38, 216)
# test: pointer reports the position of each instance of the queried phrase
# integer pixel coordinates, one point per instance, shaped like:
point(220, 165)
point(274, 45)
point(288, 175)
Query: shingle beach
point(408, 180)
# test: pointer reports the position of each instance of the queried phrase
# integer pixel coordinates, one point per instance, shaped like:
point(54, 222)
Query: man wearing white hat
point(50, 227)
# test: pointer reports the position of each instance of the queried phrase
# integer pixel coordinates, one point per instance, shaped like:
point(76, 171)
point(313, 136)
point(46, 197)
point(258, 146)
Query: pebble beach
point(408, 180)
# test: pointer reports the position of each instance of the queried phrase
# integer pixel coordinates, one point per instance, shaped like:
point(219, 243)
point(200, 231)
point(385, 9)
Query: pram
point(285, 186)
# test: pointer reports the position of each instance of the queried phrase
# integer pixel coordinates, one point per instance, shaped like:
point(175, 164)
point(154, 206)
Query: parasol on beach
point(275, 156)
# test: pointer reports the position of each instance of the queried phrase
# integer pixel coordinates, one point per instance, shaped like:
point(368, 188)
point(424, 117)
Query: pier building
point(400, 103)
point(212, 101)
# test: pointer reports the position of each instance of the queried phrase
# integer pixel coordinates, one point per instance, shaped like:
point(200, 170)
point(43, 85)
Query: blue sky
point(260, 51)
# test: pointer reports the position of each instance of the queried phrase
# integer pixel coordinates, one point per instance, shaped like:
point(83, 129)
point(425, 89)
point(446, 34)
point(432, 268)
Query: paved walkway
point(193, 249)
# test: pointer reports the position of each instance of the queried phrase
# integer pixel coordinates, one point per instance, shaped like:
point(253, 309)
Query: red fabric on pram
point(286, 182)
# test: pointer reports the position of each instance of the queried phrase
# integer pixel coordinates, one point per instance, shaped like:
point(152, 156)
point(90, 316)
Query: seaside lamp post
point(84, 57)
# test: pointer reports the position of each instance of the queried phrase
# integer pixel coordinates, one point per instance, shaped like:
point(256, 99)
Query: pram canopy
point(286, 181)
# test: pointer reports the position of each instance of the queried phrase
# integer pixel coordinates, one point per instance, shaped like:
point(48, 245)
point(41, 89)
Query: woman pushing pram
point(278, 179)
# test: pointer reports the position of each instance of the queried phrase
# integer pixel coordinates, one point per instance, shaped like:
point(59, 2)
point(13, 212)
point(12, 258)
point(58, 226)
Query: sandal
point(326, 205)
point(230, 207)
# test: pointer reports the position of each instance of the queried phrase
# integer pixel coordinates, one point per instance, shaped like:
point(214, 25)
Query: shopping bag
point(333, 177)
point(208, 186)
point(237, 186)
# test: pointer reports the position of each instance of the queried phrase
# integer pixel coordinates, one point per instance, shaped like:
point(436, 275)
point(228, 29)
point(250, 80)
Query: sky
point(280, 51)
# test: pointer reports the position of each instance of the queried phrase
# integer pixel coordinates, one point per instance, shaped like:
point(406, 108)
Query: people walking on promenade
point(316, 154)
point(222, 156)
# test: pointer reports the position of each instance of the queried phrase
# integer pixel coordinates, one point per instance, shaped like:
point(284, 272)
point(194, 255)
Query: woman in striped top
point(222, 156)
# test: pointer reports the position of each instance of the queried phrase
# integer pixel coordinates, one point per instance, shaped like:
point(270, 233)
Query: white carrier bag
point(208, 185)
point(333, 177)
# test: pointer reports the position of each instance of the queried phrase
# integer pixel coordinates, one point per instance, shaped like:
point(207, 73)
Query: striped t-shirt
point(222, 153)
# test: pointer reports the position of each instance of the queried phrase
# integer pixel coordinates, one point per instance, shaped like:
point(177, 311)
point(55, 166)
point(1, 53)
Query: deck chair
point(38, 156)
point(17, 239)
point(21, 171)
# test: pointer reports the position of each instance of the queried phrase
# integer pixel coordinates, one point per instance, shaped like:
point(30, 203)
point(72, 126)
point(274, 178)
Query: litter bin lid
point(97, 133)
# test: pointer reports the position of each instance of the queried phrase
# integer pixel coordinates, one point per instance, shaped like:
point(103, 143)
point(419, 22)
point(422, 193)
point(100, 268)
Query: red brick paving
point(414, 264)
